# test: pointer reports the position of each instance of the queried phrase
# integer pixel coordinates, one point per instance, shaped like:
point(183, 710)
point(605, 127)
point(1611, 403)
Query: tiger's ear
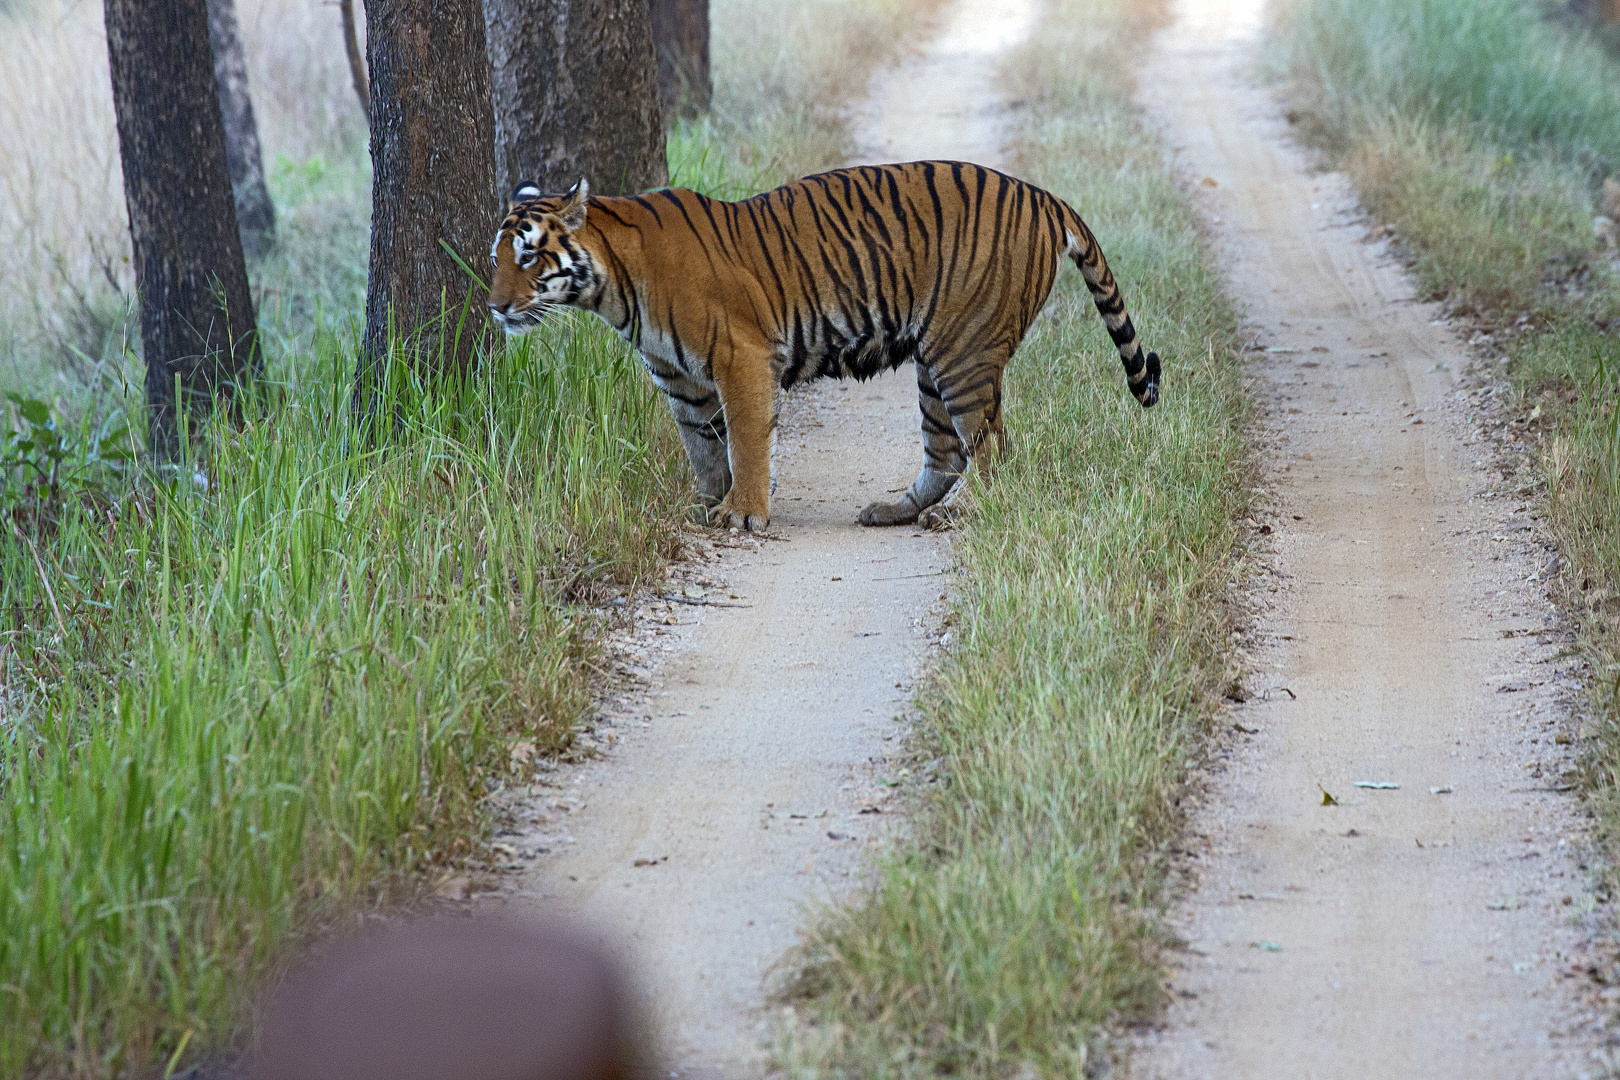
point(525, 191)
point(572, 211)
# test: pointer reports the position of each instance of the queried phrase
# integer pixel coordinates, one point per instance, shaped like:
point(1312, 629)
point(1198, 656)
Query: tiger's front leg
point(748, 396)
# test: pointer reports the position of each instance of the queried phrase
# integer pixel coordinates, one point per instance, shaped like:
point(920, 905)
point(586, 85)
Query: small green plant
point(41, 463)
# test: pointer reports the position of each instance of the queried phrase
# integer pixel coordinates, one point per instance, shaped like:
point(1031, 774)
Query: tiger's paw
point(903, 512)
point(938, 518)
point(726, 516)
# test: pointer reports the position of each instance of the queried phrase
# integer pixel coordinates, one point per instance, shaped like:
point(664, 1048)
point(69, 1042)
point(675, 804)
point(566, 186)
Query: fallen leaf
point(1210, 181)
point(1440, 790)
point(1378, 785)
point(1327, 799)
point(1245, 730)
point(652, 862)
point(1268, 946)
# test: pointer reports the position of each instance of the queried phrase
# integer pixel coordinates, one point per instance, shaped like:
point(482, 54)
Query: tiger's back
point(843, 274)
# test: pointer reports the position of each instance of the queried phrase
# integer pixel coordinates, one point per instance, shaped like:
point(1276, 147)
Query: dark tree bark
point(433, 169)
point(576, 94)
point(255, 215)
point(196, 312)
point(681, 34)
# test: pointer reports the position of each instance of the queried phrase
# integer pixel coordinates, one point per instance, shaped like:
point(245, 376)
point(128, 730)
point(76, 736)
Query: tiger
point(844, 274)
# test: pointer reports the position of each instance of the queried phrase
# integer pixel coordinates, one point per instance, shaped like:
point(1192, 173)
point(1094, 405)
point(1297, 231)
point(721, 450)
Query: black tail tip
point(1149, 394)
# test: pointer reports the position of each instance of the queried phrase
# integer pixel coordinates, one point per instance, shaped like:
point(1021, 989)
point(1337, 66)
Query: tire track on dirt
point(1401, 637)
point(741, 786)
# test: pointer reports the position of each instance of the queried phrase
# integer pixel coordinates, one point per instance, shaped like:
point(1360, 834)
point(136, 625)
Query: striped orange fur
point(844, 275)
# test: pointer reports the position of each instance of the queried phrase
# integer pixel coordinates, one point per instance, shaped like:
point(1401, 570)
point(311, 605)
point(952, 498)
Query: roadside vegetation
point(1023, 912)
point(1487, 135)
point(239, 705)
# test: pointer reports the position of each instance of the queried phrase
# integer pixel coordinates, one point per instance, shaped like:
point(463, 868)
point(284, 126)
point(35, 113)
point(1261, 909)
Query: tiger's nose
point(499, 309)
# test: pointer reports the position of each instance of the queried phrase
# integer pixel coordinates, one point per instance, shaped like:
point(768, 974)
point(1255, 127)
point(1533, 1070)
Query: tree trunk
point(681, 33)
point(197, 324)
point(357, 60)
point(433, 179)
point(576, 90)
point(255, 215)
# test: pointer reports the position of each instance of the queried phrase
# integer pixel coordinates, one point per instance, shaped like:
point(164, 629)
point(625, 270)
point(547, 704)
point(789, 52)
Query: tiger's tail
point(1141, 369)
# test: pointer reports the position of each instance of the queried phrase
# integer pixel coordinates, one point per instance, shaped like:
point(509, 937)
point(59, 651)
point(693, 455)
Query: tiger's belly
point(858, 356)
point(828, 353)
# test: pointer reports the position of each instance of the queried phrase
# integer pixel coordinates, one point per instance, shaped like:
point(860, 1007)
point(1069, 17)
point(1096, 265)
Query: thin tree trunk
point(357, 60)
point(255, 214)
point(433, 169)
point(576, 89)
point(681, 34)
point(197, 326)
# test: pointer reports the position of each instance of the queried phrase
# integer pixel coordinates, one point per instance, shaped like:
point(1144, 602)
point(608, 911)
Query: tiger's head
point(538, 262)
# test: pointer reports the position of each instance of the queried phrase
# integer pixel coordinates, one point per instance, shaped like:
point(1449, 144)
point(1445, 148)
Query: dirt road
point(734, 792)
point(1401, 638)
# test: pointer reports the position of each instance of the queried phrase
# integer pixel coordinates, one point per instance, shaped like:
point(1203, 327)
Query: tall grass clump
point(1021, 915)
point(231, 713)
point(1484, 132)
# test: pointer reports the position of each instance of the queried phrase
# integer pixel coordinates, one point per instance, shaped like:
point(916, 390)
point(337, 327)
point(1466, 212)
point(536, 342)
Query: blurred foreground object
point(451, 1000)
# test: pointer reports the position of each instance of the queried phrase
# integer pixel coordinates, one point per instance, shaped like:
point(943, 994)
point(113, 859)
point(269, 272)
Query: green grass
point(285, 697)
point(1483, 132)
point(1022, 914)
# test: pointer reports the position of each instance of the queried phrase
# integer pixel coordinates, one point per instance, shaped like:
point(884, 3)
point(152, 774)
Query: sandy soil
point(1400, 636)
point(748, 778)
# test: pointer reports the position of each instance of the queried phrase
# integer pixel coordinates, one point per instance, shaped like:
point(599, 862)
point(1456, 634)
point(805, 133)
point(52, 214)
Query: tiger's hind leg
point(943, 461)
point(972, 397)
point(702, 423)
